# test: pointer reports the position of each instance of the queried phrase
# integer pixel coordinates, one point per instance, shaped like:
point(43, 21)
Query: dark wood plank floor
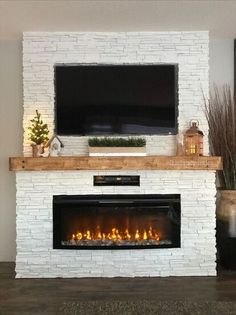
point(46, 296)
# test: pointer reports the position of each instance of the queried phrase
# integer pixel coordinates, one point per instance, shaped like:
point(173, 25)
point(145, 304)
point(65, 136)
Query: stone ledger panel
point(35, 254)
point(189, 50)
point(36, 257)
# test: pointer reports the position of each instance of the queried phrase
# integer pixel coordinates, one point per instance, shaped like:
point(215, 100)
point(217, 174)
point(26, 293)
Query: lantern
point(193, 140)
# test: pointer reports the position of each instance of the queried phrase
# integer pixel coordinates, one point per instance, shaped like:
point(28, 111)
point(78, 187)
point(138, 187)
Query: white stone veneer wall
point(36, 258)
point(41, 51)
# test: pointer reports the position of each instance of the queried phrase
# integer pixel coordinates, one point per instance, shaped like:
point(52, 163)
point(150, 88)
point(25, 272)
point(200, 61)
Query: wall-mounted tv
point(116, 99)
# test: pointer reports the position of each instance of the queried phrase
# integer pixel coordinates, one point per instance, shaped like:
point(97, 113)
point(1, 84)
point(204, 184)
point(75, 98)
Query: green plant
point(117, 142)
point(38, 130)
point(220, 112)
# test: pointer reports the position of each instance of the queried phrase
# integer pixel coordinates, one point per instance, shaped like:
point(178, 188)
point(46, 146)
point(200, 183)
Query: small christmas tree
point(38, 131)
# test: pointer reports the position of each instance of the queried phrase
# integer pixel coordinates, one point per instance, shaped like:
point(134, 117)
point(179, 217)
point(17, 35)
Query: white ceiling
point(17, 16)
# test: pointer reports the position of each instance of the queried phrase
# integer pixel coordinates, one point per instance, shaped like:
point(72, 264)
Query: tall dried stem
point(220, 112)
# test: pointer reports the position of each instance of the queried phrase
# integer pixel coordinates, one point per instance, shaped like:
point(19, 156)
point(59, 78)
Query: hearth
point(116, 221)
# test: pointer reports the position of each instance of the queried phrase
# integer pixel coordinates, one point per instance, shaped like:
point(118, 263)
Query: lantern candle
point(193, 140)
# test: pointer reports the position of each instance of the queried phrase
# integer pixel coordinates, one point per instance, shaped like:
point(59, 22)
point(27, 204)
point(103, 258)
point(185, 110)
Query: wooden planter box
point(117, 151)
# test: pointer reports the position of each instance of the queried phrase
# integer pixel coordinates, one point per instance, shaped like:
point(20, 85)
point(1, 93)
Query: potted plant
point(38, 134)
point(221, 116)
point(117, 146)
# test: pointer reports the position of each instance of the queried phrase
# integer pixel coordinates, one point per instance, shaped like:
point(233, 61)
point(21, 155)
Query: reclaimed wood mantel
point(115, 163)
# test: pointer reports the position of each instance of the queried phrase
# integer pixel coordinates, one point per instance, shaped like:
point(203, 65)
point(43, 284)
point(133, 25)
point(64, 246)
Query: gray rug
point(147, 307)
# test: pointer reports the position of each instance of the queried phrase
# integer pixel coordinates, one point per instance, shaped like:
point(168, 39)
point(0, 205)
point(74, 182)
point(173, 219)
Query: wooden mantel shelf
point(115, 163)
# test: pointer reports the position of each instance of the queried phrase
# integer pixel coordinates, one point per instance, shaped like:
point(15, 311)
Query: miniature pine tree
point(38, 130)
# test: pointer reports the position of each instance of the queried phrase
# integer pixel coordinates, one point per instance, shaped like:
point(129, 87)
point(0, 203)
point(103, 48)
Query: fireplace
point(116, 221)
point(45, 235)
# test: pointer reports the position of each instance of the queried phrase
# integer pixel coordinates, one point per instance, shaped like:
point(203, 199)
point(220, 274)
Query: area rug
point(147, 307)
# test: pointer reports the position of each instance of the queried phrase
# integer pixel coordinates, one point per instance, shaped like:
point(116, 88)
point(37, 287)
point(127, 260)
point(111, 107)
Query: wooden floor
point(46, 296)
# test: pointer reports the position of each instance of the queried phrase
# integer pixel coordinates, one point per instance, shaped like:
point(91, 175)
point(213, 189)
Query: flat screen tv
point(116, 99)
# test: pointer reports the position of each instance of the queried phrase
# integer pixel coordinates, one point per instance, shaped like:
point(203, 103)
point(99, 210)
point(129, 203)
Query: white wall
point(222, 60)
point(10, 140)
point(11, 113)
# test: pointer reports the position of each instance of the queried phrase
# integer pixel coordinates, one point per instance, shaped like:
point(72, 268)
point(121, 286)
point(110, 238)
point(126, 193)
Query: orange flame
point(116, 235)
point(87, 235)
point(145, 235)
point(127, 235)
point(137, 235)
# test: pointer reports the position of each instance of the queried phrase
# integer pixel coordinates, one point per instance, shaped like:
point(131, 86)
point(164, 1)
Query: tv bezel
point(172, 131)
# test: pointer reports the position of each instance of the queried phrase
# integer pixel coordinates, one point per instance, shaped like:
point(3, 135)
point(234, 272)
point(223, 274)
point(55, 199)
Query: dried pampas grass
point(220, 112)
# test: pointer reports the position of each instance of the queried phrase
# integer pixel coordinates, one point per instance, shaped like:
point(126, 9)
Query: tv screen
point(115, 99)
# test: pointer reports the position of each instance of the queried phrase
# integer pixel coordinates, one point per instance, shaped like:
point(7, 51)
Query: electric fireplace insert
point(116, 221)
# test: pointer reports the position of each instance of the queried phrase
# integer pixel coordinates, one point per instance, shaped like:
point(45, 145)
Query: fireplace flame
point(87, 235)
point(127, 235)
point(79, 236)
point(137, 235)
point(116, 235)
point(145, 235)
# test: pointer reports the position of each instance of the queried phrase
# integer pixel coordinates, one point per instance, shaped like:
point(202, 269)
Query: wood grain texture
point(115, 163)
point(46, 296)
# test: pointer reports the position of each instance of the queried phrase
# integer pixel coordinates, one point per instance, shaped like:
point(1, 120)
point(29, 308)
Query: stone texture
point(35, 190)
point(41, 51)
point(36, 258)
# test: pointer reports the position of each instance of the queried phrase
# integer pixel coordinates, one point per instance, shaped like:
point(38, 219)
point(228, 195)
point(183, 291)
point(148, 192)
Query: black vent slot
point(117, 180)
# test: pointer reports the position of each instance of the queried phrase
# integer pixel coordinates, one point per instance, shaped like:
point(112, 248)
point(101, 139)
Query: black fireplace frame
point(172, 201)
